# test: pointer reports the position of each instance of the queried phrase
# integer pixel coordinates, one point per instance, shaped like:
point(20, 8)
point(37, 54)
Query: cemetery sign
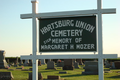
point(71, 34)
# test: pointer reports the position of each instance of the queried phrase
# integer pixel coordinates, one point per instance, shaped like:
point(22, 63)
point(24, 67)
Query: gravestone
point(39, 76)
point(49, 60)
point(17, 60)
point(76, 65)
point(50, 65)
point(91, 68)
point(39, 63)
point(21, 63)
point(117, 64)
point(20, 68)
point(15, 63)
point(74, 60)
point(107, 64)
point(26, 62)
point(113, 65)
point(30, 69)
point(6, 76)
point(62, 72)
point(8, 61)
point(3, 63)
point(60, 64)
point(30, 63)
point(43, 61)
point(79, 61)
point(50, 77)
point(68, 64)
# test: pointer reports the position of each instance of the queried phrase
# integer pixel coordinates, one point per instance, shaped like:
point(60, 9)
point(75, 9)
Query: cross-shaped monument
point(100, 56)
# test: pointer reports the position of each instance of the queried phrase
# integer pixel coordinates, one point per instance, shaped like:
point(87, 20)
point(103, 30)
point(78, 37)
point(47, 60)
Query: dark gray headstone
point(6, 76)
point(30, 63)
point(62, 72)
point(68, 64)
point(17, 60)
point(117, 64)
point(3, 63)
point(60, 64)
point(21, 63)
point(39, 76)
point(19, 68)
point(107, 64)
point(50, 65)
point(91, 68)
point(15, 63)
point(30, 69)
point(53, 77)
point(113, 65)
point(49, 60)
point(39, 63)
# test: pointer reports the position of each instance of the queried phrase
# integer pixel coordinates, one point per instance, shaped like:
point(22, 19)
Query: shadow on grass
point(41, 71)
point(118, 76)
point(76, 75)
point(45, 71)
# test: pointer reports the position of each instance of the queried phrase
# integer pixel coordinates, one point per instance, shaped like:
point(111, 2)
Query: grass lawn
point(75, 74)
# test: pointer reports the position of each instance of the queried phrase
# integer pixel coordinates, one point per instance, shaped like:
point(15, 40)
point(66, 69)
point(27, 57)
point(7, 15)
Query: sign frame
point(100, 56)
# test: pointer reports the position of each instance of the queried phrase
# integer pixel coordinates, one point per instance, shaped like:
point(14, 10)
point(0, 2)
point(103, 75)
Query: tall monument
point(3, 63)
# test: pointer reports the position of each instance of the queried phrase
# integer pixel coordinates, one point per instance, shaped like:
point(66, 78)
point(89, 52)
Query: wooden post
point(34, 37)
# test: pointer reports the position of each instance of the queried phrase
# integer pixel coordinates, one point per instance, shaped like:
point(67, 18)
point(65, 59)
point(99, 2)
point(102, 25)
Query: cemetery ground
point(76, 74)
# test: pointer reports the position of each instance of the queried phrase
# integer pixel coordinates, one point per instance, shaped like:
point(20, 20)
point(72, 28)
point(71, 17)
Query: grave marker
point(49, 77)
point(30, 63)
point(39, 62)
point(113, 65)
point(117, 64)
point(76, 65)
point(79, 61)
point(50, 65)
point(107, 64)
point(21, 63)
point(26, 62)
point(91, 68)
point(68, 64)
point(43, 61)
point(40, 77)
point(3, 63)
point(60, 64)
point(6, 76)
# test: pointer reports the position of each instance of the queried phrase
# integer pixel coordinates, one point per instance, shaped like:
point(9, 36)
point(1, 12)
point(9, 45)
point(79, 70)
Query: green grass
point(75, 74)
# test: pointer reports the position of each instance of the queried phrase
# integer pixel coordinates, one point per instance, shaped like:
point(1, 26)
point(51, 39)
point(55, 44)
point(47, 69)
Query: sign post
point(100, 46)
point(34, 39)
point(100, 56)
